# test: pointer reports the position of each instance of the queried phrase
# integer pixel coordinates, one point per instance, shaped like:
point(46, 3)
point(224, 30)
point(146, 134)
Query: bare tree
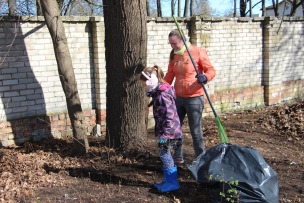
point(148, 7)
point(263, 8)
point(159, 9)
point(186, 8)
point(11, 7)
point(54, 23)
point(78, 7)
point(275, 5)
point(243, 6)
point(234, 8)
point(250, 8)
point(126, 55)
point(191, 8)
point(295, 5)
point(173, 7)
point(39, 9)
point(179, 7)
point(201, 7)
point(67, 7)
point(151, 8)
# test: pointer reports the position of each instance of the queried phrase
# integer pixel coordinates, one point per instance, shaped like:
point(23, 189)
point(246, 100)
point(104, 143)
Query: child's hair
point(156, 70)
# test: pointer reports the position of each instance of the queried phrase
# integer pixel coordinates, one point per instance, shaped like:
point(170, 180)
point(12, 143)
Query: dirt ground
point(47, 172)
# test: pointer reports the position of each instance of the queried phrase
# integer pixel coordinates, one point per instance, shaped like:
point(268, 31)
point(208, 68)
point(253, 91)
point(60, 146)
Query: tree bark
point(126, 56)
point(60, 4)
point(54, 23)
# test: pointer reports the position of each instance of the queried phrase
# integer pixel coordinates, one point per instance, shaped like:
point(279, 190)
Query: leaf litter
point(46, 171)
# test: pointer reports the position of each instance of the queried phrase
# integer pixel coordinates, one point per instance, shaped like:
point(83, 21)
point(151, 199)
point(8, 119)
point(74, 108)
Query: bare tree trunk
point(39, 9)
point(263, 8)
point(148, 7)
point(191, 7)
point(243, 5)
point(179, 7)
point(275, 7)
point(186, 8)
point(295, 5)
point(159, 10)
point(126, 56)
point(54, 23)
point(250, 8)
point(11, 7)
point(234, 10)
point(172, 7)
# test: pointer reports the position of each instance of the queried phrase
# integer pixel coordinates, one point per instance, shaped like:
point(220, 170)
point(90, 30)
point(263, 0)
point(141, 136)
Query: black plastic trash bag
point(253, 179)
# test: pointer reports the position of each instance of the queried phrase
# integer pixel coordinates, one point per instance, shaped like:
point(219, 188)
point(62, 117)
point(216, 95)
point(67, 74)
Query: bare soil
point(46, 171)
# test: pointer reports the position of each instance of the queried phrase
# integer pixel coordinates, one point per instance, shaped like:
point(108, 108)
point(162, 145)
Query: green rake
point(222, 133)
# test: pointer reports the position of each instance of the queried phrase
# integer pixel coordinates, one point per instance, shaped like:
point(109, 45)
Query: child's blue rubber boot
point(157, 185)
point(170, 182)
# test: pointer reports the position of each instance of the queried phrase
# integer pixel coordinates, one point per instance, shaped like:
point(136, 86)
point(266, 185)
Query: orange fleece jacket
point(181, 68)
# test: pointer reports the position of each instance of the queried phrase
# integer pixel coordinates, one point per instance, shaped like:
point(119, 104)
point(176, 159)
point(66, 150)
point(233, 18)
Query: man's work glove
point(201, 78)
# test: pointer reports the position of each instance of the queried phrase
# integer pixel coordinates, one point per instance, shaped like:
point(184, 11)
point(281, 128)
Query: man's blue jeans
point(193, 107)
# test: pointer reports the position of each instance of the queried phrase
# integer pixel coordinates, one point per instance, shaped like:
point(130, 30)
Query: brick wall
point(258, 61)
point(235, 49)
point(284, 61)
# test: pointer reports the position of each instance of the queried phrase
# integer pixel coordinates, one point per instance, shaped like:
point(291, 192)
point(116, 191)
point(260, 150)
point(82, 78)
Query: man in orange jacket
point(189, 91)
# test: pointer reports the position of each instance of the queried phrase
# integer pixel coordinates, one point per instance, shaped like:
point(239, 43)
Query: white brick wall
point(29, 78)
point(158, 44)
point(241, 55)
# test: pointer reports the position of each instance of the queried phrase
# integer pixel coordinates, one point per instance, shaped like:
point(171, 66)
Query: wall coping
point(41, 18)
point(156, 19)
point(222, 19)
